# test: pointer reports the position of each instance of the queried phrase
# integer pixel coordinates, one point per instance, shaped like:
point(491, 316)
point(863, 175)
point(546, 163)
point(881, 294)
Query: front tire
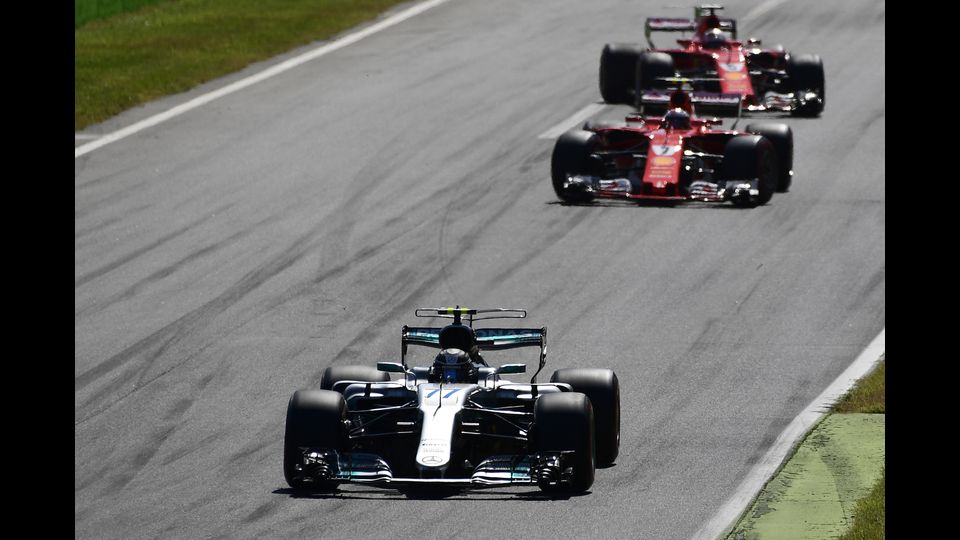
point(781, 136)
point(564, 421)
point(603, 388)
point(805, 73)
point(571, 155)
point(315, 419)
point(747, 157)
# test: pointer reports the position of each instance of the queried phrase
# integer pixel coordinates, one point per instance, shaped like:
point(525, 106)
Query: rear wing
point(658, 100)
point(669, 24)
point(489, 339)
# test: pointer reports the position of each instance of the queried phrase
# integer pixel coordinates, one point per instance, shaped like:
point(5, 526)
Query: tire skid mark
point(187, 450)
point(138, 461)
point(262, 511)
point(875, 283)
point(80, 233)
point(197, 319)
point(132, 290)
point(796, 402)
point(137, 253)
point(363, 335)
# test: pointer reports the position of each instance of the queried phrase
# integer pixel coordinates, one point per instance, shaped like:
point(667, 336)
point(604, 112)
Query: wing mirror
point(507, 369)
point(391, 367)
point(754, 42)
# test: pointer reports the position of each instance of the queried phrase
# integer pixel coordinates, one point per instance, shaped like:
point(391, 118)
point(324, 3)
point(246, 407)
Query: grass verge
point(128, 59)
point(869, 517)
point(869, 395)
point(85, 11)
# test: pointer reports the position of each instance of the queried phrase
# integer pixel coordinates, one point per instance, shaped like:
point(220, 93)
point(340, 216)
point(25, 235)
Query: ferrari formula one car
point(727, 74)
point(456, 422)
point(675, 157)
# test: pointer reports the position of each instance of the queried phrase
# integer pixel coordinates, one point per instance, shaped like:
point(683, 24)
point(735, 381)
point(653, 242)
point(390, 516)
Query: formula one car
point(676, 157)
point(457, 422)
point(727, 74)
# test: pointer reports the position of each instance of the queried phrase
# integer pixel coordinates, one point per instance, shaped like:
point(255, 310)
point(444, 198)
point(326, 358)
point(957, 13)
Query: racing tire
point(571, 155)
point(315, 418)
point(603, 388)
point(805, 72)
point(747, 157)
point(618, 63)
point(351, 373)
point(781, 136)
point(564, 421)
point(650, 67)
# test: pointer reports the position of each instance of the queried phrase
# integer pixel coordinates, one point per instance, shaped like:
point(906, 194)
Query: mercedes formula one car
point(674, 157)
point(457, 422)
point(727, 74)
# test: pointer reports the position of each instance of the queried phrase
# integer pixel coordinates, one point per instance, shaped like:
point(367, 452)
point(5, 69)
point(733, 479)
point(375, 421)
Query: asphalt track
point(227, 256)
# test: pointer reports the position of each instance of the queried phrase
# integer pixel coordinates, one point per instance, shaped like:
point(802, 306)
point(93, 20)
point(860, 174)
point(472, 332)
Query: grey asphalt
point(224, 258)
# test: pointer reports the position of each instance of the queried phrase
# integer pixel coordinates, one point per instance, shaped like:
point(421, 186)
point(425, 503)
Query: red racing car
point(673, 158)
point(727, 74)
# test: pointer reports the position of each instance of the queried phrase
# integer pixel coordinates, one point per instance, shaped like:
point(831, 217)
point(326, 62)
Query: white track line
point(253, 79)
point(577, 117)
point(724, 519)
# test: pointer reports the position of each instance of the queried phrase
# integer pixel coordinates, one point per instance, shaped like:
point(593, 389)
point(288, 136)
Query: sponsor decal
point(734, 76)
point(430, 460)
point(664, 161)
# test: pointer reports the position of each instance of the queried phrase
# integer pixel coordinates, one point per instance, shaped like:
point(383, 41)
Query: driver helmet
point(714, 39)
point(681, 100)
point(676, 119)
point(453, 366)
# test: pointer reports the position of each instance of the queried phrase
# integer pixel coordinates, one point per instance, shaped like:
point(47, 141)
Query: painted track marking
point(573, 120)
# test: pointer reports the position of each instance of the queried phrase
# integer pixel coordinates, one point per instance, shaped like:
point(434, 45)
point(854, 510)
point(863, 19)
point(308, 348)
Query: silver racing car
point(456, 422)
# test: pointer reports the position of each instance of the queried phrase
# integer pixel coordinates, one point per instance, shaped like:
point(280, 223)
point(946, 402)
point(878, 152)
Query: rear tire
point(751, 156)
point(571, 155)
point(781, 136)
point(314, 419)
point(603, 389)
point(564, 421)
point(805, 72)
point(617, 66)
point(650, 67)
point(351, 373)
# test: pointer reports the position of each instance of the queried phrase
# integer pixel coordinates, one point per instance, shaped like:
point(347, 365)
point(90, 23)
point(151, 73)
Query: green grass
point(128, 59)
point(868, 396)
point(85, 11)
point(870, 514)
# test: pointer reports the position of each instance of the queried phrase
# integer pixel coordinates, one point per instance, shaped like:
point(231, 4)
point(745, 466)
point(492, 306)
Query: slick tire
point(315, 418)
point(751, 156)
point(571, 155)
point(351, 373)
point(617, 66)
point(603, 388)
point(805, 72)
point(781, 136)
point(651, 66)
point(564, 421)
